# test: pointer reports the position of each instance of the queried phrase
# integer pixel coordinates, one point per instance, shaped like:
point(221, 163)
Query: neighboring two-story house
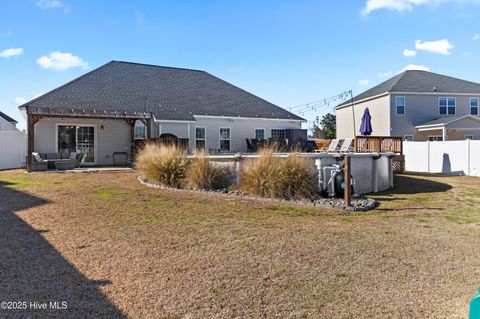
point(417, 105)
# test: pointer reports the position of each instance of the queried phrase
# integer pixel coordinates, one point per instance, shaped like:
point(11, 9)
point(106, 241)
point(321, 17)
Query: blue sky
point(288, 52)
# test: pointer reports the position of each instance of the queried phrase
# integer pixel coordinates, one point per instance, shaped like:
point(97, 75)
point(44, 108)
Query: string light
point(313, 106)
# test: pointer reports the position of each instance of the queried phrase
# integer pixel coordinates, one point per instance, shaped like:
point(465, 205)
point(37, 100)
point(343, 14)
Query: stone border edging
point(371, 203)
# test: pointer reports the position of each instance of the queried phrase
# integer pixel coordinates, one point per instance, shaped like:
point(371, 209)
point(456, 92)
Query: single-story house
point(7, 123)
point(416, 105)
point(103, 111)
point(12, 143)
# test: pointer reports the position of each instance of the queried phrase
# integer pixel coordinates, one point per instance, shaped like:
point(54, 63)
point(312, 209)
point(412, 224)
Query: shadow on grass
point(410, 185)
point(31, 270)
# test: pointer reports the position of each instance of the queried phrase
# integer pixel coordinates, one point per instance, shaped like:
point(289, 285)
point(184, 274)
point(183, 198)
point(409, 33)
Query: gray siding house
point(103, 111)
point(417, 105)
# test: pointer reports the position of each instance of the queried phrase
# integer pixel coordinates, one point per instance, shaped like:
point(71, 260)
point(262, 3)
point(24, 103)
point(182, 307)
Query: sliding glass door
point(80, 139)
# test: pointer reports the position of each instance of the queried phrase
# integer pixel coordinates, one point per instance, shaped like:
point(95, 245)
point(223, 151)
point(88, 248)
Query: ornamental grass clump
point(163, 164)
point(262, 176)
point(205, 175)
point(270, 176)
point(298, 177)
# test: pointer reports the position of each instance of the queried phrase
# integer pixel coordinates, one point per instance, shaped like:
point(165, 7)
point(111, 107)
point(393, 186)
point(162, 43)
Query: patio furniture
point(333, 147)
point(347, 145)
point(38, 163)
point(52, 158)
point(65, 165)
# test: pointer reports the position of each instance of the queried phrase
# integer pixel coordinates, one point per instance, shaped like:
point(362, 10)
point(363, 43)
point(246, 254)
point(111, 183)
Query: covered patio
point(62, 115)
point(449, 127)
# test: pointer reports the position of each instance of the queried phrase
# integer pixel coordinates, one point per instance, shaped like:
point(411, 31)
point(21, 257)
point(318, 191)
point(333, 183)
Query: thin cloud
point(60, 61)
point(6, 33)
point(236, 68)
point(409, 53)
point(364, 82)
point(440, 46)
point(414, 67)
point(53, 4)
point(385, 74)
point(476, 37)
point(407, 5)
point(8, 53)
point(20, 100)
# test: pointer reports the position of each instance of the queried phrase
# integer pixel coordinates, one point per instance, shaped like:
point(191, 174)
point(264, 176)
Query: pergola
point(34, 114)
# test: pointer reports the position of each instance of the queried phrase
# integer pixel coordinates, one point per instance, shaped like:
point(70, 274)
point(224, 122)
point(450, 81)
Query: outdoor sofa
point(60, 161)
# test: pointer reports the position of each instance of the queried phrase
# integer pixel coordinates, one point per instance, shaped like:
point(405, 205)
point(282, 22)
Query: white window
point(199, 137)
point(408, 138)
point(276, 133)
point(474, 105)
point(224, 139)
point(259, 133)
point(468, 136)
point(140, 131)
point(400, 105)
point(447, 105)
point(435, 138)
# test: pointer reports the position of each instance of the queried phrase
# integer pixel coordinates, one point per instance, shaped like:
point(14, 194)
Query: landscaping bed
point(359, 203)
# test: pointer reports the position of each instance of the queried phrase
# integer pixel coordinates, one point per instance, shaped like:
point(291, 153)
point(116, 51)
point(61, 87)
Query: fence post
point(428, 156)
point(347, 190)
point(468, 156)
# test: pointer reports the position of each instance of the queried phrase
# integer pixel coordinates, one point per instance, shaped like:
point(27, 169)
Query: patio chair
point(347, 145)
point(333, 147)
point(251, 145)
point(38, 164)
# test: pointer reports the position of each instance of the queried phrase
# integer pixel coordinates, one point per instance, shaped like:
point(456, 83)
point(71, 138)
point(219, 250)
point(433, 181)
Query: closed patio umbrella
point(366, 126)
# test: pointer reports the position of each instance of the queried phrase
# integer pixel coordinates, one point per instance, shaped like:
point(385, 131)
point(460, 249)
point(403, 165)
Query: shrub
point(205, 175)
point(275, 177)
point(298, 177)
point(163, 164)
point(262, 176)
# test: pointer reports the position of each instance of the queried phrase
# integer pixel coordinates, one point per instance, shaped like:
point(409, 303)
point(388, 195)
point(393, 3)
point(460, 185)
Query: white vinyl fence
point(449, 157)
point(12, 149)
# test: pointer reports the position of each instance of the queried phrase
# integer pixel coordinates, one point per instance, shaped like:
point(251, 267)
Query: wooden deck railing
point(368, 144)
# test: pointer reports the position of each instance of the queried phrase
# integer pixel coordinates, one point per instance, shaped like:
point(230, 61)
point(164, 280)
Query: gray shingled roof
point(169, 93)
point(447, 119)
point(7, 118)
point(414, 81)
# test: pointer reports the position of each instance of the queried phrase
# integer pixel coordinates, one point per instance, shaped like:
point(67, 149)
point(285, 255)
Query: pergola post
point(31, 120)
point(131, 123)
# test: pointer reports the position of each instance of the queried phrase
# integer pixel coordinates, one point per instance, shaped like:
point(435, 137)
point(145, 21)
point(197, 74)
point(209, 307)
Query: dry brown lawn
point(112, 248)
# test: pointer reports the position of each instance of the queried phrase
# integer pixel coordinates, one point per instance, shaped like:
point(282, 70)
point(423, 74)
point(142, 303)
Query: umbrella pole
point(353, 113)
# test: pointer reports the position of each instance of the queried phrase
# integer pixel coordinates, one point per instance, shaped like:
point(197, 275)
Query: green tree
point(325, 128)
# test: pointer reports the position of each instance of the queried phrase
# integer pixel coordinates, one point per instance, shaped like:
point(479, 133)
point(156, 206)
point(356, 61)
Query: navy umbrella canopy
point(366, 126)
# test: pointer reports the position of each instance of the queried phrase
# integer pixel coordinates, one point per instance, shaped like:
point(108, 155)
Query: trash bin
point(475, 307)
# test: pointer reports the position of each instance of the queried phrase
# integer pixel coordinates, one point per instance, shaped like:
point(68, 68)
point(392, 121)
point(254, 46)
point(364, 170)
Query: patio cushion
point(37, 157)
point(50, 156)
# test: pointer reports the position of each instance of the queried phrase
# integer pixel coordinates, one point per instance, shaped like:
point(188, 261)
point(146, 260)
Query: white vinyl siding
point(113, 137)
point(241, 129)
